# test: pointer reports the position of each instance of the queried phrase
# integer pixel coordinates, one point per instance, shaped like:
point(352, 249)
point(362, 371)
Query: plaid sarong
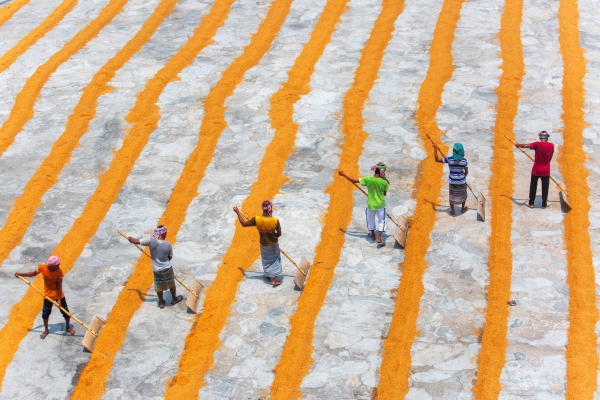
point(271, 260)
point(164, 280)
point(458, 193)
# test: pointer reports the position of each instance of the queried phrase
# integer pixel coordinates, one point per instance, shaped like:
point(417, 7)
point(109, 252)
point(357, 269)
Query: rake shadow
point(143, 296)
point(521, 202)
point(358, 235)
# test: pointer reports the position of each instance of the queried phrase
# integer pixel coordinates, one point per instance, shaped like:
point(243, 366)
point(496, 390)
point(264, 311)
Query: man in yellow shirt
point(53, 277)
point(269, 230)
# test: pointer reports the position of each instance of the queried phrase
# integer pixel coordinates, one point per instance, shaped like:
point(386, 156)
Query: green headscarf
point(458, 151)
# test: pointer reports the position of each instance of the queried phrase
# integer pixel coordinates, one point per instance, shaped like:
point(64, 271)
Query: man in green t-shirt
point(377, 187)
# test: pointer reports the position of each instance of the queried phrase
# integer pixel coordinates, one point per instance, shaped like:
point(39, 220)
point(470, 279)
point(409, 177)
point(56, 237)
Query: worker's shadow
point(260, 275)
point(446, 209)
point(366, 236)
point(145, 296)
point(537, 203)
point(57, 329)
point(440, 208)
point(517, 202)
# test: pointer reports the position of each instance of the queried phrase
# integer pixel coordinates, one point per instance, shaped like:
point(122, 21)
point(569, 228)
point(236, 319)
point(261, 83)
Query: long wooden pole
point(471, 189)
point(280, 249)
point(140, 248)
point(469, 186)
point(59, 306)
point(389, 216)
point(531, 158)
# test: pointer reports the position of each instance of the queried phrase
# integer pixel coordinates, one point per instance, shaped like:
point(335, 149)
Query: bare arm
point(59, 289)
point(133, 240)
point(278, 230)
point(466, 171)
point(26, 274)
point(522, 146)
point(242, 222)
point(435, 154)
point(353, 180)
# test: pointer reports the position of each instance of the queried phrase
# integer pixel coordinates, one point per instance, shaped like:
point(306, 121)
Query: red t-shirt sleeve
point(532, 146)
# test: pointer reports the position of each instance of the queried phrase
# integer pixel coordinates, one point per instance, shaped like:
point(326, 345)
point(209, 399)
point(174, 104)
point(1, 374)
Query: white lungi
point(380, 213)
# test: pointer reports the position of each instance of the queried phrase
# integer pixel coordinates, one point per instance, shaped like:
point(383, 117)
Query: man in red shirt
point(53, 277)
point(541, 167)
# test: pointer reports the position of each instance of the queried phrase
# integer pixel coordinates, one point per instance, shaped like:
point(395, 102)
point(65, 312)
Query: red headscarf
point(268, 207)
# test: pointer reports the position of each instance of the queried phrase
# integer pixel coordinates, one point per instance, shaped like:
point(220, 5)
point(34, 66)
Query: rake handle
point(471, 189)
point(532, 159)
point(469, 186)
point(389, 216)
point(59, 306)
point(185, 286)
point(140, 248)
point(281, 250)
point(292, 261)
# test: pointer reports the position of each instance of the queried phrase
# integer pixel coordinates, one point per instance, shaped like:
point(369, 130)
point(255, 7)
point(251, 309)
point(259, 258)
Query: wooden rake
point(303, 268)
point(401, 233)
point(92, 331)
point(195, 290)
point(564, 196)
point(480, 199)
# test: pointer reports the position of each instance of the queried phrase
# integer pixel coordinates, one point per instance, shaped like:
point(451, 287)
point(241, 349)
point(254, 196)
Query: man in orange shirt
point(53, 277)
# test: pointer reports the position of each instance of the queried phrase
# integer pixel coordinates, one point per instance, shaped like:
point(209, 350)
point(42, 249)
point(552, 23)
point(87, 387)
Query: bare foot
point(267, 278)
point(275, 282)
point(464, 209)
point(71, 331)
point(379, 238)
point(372, 235)
point(452, 213)
point(44, 334)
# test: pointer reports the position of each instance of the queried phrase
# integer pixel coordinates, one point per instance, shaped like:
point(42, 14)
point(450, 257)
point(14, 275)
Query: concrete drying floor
point(122, 114)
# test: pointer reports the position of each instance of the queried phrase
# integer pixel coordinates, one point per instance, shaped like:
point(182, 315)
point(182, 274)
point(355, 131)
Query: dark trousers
point(533, 189)
point(47, 310)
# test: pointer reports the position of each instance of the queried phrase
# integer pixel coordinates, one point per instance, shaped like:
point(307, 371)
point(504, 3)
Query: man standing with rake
point(377, 187)
point(53, 277)
point(269, 230)
point(161, 253)
point(544, 151)
point(457, 179)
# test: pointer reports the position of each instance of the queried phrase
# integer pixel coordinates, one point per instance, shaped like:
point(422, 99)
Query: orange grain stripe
point(493, 345)
point(296, 357)
point(29, 40)
point(22, 111)
point(22, 213)
point(11, 9)
point(581, 353)
point(396, 361)
point(144, 118)
point(203, 339)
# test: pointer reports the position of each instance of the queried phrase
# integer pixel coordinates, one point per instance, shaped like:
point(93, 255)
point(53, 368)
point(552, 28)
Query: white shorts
point(380, 213)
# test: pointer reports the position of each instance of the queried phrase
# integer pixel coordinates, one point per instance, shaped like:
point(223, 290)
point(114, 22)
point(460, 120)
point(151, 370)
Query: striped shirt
point(457, 170)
